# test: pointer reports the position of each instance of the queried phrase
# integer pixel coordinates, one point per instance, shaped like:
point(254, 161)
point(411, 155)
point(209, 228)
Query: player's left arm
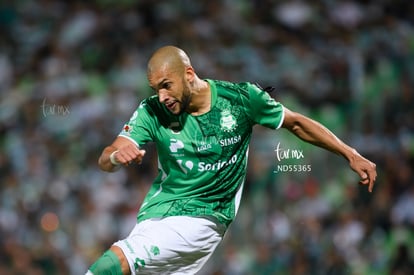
point(315, 133)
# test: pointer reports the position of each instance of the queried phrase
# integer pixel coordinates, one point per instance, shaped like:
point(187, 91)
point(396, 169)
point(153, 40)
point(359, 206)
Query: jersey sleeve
point(139, 128)
point(263, 109)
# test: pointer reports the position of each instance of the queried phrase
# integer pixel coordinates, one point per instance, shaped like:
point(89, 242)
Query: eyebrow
point(158, 85)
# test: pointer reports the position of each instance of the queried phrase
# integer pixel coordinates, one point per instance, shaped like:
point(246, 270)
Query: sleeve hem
point(282, 118)
point(131, 139)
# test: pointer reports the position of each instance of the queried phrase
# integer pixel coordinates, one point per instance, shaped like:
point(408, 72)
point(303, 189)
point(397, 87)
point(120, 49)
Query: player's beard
point(186, 99)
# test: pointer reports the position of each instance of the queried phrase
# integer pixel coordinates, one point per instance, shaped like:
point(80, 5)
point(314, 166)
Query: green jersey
point(202, 159)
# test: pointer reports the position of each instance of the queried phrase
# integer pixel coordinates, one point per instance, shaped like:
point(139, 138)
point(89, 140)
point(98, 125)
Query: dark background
point(72, 73)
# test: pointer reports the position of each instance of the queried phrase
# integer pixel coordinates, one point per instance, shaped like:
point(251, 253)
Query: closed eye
point(166, 85)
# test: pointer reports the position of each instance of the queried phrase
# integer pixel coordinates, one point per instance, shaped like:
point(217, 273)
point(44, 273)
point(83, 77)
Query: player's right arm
point(123, 152)
point(315, 133)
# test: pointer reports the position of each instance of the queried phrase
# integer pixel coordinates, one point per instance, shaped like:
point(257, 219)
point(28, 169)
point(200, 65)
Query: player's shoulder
point(232, 89)
point(152, 109)
point(150, 104)
point(151, 100)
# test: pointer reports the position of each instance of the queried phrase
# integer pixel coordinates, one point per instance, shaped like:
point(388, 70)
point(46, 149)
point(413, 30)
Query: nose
point(162, 96)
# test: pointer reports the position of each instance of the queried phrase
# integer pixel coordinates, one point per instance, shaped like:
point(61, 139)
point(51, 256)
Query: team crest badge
point(127, 129)
point(227, 121)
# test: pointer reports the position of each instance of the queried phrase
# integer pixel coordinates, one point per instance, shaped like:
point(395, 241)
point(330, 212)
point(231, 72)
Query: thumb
point(140, 156)
point(363, 175)
point(364, 178)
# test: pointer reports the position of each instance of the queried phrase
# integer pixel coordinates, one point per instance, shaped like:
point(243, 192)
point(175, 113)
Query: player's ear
point(189, 74)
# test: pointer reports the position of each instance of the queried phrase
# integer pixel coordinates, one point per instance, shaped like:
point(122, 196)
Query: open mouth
point(171, 105)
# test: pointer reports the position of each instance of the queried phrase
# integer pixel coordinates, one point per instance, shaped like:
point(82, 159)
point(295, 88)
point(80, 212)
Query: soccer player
point(202, 130)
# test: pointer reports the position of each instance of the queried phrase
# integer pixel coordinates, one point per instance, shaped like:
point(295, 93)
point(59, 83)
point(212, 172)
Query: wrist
point(112, 158)
point(351, 154)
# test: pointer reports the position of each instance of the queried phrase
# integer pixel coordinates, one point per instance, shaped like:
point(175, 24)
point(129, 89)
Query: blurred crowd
point(72, 72)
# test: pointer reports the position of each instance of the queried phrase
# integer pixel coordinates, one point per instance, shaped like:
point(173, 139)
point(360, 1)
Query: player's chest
point(217, 133)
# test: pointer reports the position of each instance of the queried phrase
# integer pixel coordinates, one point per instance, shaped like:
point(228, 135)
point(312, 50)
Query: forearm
point(104, 160)
point(126, 152)
point(315, 133)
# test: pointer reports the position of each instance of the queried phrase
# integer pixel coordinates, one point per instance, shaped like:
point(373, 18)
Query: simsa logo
point(290, 154)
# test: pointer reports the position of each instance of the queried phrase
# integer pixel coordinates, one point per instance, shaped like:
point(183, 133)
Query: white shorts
point(171, 245)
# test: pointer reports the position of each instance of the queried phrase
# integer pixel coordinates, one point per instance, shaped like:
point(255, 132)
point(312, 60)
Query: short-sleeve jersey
point(202, 159)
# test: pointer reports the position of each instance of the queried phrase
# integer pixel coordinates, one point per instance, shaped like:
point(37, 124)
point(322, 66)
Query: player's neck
point(200, 98)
